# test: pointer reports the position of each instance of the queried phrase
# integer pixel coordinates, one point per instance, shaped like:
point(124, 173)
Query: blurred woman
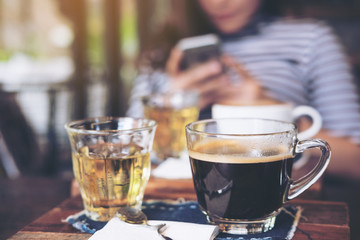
point(276, 58)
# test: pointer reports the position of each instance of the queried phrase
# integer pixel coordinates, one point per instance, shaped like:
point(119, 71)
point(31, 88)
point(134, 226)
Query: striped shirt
point(294, 60)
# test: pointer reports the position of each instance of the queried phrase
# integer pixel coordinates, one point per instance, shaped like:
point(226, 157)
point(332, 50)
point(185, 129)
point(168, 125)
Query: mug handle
point(299, 186)
point(316, 120)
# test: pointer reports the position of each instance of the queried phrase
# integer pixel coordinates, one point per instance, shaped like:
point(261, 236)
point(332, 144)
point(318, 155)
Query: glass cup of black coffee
point(242, 170)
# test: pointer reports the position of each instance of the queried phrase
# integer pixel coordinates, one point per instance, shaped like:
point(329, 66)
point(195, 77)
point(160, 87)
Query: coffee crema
point(236, 151)
point(237, 181)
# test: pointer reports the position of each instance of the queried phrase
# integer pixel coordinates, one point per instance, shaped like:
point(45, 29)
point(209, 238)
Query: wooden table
point(24, 199)
point(321, 220)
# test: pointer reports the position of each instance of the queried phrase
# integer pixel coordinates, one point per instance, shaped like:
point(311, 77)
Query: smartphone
point(199, 49)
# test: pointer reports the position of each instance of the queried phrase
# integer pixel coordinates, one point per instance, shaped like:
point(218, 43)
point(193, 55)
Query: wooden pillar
point(145, 9)
point(80, 80)
point(76, 11)
point(116, 104)
point(178, 8)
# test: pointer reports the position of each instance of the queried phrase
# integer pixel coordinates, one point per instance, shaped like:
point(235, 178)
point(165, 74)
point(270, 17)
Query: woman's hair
point(194, 21)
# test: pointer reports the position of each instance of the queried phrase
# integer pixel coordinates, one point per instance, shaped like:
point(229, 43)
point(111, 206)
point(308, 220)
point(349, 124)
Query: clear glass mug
point(242, 176)
point(111, 163)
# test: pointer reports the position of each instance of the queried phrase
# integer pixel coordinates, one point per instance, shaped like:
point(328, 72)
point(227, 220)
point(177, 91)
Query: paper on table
point(188, 231)
point(174, 168)
point(116, 229)
point(175, 230)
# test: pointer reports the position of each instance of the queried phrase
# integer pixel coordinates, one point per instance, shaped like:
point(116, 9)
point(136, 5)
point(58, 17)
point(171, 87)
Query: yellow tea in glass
point(111, 163)
point(172, 112)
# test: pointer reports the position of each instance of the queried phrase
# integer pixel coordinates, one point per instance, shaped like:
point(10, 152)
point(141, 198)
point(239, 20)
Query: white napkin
point(188, 231)
point(174, 168)
point(116, 229)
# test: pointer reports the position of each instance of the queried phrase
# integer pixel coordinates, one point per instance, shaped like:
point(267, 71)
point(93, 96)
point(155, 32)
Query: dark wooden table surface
point(24, 199)
point(321, 219)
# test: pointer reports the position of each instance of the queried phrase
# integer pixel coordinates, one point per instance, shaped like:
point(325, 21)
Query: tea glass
point(172, 111)
point(111, 163)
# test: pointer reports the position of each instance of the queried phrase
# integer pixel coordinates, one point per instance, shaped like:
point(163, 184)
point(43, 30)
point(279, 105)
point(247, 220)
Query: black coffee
point(240, 186)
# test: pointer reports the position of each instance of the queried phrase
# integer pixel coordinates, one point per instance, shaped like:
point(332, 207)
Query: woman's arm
point(332, 91)
point(345, 161)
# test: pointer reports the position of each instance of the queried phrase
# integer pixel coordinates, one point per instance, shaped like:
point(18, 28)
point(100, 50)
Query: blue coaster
point(285, 225)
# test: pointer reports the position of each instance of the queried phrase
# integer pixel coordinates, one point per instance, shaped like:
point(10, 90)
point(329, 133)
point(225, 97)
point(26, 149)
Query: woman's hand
point(206, 78)
point(246, 91)
point(212, 84)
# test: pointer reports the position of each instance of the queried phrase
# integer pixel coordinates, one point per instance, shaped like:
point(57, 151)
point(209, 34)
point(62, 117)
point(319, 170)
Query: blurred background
point(62, 60)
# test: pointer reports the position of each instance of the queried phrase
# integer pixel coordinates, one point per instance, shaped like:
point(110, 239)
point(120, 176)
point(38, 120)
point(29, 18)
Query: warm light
point(61, 36)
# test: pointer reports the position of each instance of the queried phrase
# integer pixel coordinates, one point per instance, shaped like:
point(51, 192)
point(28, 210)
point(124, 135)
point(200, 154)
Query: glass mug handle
point(299, 186)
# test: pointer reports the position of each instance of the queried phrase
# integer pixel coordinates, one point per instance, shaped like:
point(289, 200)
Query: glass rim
point(70, 125)
point(169, 99)
point(293, 127)
point(174, 92)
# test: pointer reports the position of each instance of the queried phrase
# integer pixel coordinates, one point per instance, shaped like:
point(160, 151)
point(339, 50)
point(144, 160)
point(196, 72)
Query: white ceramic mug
point(282, 111)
